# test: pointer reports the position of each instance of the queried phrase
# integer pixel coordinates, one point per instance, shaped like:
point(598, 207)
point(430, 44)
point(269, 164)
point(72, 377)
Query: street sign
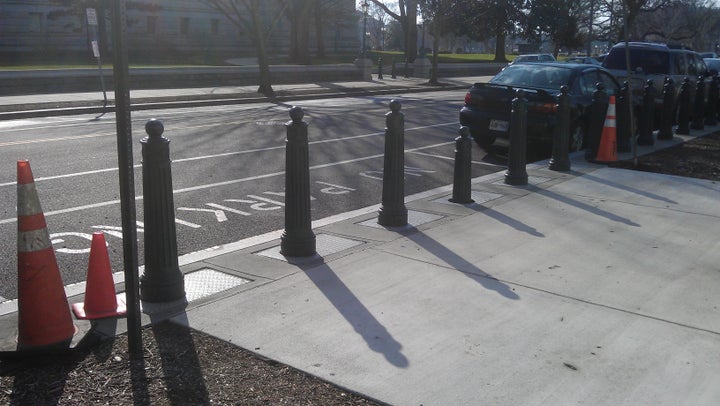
point(95, 49)
point(91, 16)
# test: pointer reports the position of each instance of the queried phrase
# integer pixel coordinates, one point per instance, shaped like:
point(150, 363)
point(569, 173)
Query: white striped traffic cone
point(44, 318)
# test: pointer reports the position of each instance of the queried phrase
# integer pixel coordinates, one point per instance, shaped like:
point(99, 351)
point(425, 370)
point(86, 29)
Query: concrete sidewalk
point(595, 286)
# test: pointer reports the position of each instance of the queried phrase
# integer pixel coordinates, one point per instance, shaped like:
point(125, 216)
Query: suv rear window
point(649, 60)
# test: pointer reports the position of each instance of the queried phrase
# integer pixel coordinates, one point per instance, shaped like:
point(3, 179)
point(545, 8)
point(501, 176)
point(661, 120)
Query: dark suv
point(655, 61)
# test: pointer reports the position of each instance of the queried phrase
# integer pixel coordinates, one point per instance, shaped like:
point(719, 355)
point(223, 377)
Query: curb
point(154, 103)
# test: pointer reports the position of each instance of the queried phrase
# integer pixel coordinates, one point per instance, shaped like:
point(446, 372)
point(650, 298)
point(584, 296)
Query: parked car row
point(487, 106)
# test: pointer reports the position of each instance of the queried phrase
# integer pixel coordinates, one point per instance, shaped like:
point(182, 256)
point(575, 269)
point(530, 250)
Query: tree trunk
point(265, 87)
point(319, 30)
point(500, 47)
point(411, 33)
point(436, 46)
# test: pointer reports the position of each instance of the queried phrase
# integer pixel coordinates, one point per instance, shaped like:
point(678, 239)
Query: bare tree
point(407, 17)
point(245, 15)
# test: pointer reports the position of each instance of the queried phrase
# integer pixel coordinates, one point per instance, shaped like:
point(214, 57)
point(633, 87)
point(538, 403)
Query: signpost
point(127, 181)
point(93, 22)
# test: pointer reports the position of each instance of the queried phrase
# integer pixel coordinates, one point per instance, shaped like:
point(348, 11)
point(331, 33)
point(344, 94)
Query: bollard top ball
point(297, 114)
point(395, 105)
point(154, 128)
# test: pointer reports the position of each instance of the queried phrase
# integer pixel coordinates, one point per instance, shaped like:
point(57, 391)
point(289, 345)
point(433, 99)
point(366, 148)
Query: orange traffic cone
point(100, 299)
point(44, 318)
point(607, 150)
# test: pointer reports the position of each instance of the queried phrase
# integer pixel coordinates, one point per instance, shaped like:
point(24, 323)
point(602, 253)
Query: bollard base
point(516, 179)
point(298, 245)
point(461, 200)
point(392, 218)
point(154, 292)
point(559, 164)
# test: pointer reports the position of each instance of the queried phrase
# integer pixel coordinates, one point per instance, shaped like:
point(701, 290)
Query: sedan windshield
point(533, 75)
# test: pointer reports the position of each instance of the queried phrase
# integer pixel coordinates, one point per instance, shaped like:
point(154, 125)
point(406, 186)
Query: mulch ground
point(182, 366)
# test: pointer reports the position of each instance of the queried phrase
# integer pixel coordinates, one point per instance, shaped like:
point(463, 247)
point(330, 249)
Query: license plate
point(499, 125)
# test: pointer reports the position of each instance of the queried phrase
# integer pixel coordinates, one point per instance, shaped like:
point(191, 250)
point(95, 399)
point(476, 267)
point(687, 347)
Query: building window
point(35, 22)
point(214, 26)
point(184, 25)
point(152, 24)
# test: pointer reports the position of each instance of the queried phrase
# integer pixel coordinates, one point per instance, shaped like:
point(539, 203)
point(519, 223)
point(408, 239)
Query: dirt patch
point(181, 366)
point(697, 158)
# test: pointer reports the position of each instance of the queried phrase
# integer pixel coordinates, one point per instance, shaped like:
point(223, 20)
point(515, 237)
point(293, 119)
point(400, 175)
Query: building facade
point(34, 29)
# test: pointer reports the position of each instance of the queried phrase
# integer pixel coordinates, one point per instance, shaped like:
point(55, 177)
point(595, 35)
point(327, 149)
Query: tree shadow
point(461, 264)
point(360, 318)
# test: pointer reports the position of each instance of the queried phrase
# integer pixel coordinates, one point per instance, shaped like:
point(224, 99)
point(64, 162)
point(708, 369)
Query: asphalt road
point(227, 171)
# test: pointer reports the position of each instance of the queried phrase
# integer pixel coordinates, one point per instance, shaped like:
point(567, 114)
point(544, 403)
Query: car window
point(692, 66)
point(587, 82)
point(536, 75)
point(679, 65)
point(611, 88)
point(649, 61)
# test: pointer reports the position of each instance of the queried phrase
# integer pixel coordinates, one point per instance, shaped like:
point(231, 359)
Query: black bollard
point(407, 69)
point(622, 112)
point(698, 109)
point(683, 127)
point(516, 173)
point(393, 70)
point(645, 132)
point(380, 68)
point(161, 280)
point(711, 117)
point(462, 192)
point(393, 212)
point(665, 131)
point(596, 122)
point(560, 160)
point(298, 239)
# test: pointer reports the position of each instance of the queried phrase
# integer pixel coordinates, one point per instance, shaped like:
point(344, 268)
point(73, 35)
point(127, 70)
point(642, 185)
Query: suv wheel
point(484, 141)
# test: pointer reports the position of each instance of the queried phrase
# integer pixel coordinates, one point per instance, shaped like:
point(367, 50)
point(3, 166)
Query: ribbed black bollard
point(645, 122)
point(598, 110)
point(161, 280)
point(665, 131)
point(393, 212)
point(622, 112)
point(516, 173)
point(560, 160)
point(380, 68)
point(393, 70)
point(683, 127)
point(462, 192)
point(711, 116)
point(298, 239)
point(698, 109)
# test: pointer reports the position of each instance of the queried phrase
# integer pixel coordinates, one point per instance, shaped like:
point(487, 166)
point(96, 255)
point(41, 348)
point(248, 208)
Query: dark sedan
point(487, 105)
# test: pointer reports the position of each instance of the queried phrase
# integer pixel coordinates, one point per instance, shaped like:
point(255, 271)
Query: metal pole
point(126, 175)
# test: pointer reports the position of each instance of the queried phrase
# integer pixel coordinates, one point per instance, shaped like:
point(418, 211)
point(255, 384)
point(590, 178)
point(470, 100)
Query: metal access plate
point(205, 282)
point(325, 244)
point(478, 197)
point(415, 218)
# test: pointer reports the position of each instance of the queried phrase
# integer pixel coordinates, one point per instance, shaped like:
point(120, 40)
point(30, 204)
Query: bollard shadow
point(459, 263)
point(630, 189)
point(182, 372)
point(502, 218)
point(357, 315)
point(583, 206)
